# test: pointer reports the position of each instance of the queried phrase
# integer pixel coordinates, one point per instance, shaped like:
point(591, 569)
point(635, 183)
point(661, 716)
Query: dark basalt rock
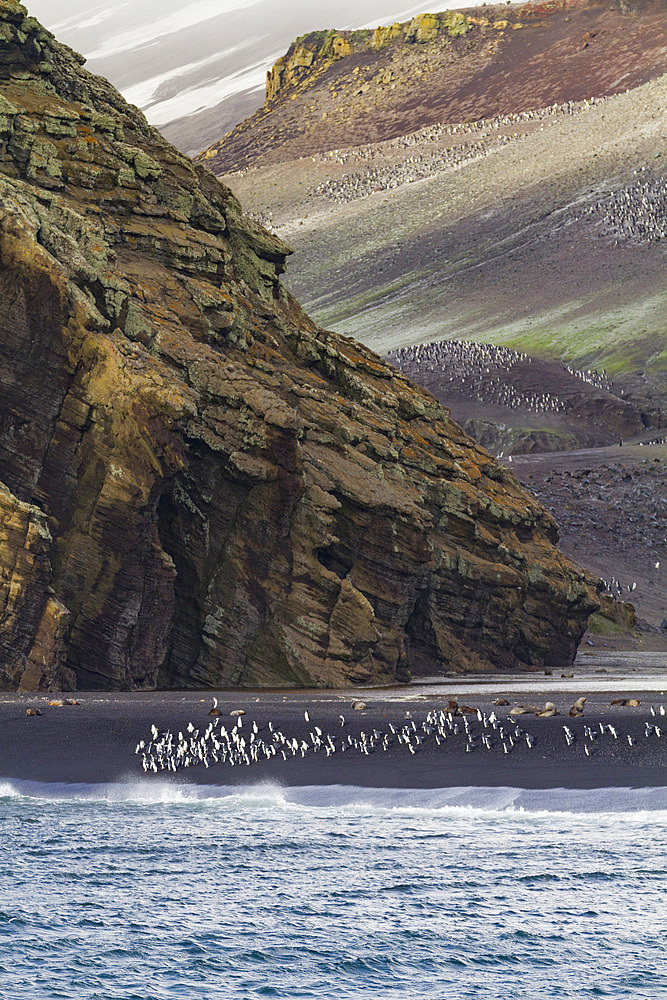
point(201, 487)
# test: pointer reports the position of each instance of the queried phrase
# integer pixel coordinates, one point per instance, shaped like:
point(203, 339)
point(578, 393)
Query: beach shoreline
point(94, 741)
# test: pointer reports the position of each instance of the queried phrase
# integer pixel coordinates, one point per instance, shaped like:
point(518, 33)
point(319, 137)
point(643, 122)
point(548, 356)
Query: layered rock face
point(201, 487)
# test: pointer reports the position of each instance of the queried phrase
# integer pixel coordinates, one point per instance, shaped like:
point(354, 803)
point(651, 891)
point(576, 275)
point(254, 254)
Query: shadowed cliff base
point(202, 487)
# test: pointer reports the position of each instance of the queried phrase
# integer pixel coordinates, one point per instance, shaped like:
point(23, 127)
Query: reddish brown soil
point(564, 50)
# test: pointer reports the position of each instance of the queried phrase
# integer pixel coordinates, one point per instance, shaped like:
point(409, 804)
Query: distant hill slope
point(544, 232)
point(335, 89)
point(197, 69)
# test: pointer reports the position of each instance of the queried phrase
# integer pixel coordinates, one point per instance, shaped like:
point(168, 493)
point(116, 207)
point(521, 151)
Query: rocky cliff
point(312, 54)
point(201, 487)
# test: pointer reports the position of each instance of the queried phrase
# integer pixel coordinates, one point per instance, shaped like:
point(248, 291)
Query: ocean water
point(153, 891)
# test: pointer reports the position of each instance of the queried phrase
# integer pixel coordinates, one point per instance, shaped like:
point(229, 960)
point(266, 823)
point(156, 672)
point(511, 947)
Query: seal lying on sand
point(548, 710)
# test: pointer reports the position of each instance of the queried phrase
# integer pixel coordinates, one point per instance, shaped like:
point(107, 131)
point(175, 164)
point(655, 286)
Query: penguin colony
point(363, 183)
point(636, 214)
point(247, 744)
point(592, 734)
point(482, 370)
point(350, 187)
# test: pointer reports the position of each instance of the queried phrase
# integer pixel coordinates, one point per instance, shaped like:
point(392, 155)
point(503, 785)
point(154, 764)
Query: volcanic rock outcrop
point(201, 487)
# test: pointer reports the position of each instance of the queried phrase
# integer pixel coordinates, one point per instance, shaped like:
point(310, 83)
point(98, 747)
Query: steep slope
point(202, 487)
point(337, 89)
point(544, 232)
point(197, 69)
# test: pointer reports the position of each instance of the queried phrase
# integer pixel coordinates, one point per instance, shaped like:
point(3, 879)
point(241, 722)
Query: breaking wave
point(471, 799)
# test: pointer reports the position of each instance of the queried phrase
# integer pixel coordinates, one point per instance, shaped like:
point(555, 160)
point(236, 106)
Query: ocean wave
point(9, 791)
point(486, 800)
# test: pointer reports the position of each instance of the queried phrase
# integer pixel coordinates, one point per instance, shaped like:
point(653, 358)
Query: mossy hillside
point(603, 344)
point(310, 55)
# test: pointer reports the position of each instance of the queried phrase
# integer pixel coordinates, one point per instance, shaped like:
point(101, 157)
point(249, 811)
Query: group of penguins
point(484, 371)
point(240, 744)
point(427, 161)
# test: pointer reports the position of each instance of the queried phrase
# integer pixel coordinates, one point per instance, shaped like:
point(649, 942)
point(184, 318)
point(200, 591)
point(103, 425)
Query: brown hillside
point(339, 89)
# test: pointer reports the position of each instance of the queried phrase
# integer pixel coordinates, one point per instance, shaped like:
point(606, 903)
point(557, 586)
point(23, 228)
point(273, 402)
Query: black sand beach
point(95, 740)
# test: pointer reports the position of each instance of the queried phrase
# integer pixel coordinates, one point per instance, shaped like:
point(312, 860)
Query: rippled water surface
point(150, 892)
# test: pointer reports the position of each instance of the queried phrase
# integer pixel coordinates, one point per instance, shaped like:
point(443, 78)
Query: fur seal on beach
point(577, 709)
point(33, 711)
point(548, 711)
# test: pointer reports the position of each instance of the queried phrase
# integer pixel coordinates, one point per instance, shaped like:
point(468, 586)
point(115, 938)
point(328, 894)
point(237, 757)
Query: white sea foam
point(503, 801)
point(9, 791)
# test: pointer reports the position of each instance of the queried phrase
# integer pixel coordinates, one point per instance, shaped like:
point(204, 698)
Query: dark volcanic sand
point(95, 740)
